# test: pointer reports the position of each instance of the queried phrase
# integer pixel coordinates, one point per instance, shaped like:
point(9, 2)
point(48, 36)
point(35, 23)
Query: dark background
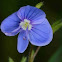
point(8, 45)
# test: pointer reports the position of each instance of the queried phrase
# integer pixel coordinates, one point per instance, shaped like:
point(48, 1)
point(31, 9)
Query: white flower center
point(26, 24)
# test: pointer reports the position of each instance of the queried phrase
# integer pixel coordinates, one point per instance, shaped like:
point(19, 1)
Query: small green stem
point(30, 52)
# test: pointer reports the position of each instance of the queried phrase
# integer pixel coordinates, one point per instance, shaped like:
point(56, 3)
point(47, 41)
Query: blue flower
point(31, 24)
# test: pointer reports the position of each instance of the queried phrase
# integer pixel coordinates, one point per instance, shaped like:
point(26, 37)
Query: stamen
point(24, 38)
point(26, 24)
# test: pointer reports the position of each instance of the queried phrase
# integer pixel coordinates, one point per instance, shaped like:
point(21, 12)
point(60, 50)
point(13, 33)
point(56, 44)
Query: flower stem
point(32, 57)
point(36, 52)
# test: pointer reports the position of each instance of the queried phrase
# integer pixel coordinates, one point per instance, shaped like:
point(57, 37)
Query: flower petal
point(14, 32)
point(10, 25)
point(31, 13)
point(41, 34)
point(22, 42)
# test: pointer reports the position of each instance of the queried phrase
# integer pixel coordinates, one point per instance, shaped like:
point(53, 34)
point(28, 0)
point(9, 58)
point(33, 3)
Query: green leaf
point(39, 5)
point(57, 56)
point(23, 59)
point(10, 59)
point(56, 26)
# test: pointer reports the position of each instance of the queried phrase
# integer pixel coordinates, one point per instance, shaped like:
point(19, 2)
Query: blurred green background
point(8, 45)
